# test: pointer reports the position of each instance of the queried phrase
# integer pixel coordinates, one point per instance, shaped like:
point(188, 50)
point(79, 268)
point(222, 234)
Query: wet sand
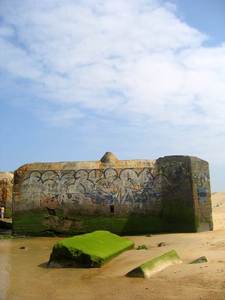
point(23, 275)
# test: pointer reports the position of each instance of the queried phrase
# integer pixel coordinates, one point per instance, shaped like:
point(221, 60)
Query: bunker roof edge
point(108, 160)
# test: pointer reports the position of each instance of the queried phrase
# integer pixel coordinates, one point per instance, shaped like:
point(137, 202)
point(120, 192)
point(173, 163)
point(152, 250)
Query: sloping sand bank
point(218, 204)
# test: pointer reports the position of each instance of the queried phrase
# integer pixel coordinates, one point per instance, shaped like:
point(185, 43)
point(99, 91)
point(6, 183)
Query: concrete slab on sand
point(88, 250)
point(155, 265)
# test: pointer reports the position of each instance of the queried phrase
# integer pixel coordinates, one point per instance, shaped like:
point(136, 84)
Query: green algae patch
point(127, 225)
point(29, 222)
point(155, 265)
point(38, 222)
point(88, 250)
point(200, 260)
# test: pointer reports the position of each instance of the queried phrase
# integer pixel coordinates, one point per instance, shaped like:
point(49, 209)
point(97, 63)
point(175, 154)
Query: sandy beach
point(23, 274)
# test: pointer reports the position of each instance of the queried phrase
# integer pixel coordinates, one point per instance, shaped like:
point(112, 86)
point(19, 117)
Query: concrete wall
point(201, 193)
point(133, 196)
point(6, 186)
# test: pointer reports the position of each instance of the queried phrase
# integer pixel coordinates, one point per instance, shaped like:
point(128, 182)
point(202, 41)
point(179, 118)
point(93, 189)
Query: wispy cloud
point(64, 117)
point(131, 59)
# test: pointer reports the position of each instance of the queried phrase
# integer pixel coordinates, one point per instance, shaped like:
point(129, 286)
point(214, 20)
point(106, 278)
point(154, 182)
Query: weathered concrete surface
point(169, 194)
point(155, 265)
point(201, 194)
point(6, 187)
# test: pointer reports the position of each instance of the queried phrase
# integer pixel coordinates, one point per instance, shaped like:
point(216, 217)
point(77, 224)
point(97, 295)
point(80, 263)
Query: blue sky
point(140, 78)
point(205, 15)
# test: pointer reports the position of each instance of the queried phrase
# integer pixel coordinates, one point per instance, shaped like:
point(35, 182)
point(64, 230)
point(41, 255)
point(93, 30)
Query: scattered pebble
point(162, 244)
point(23, 248)
point(142, 247)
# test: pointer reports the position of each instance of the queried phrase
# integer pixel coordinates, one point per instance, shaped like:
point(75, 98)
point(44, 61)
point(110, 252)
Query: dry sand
point(22, 277)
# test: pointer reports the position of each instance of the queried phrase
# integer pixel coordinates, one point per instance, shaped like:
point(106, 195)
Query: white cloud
point(134, 59)
point(17, 62)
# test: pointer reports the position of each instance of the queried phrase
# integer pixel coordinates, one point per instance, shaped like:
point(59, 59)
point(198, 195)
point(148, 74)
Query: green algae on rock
point(88, 250)
point(155, 265)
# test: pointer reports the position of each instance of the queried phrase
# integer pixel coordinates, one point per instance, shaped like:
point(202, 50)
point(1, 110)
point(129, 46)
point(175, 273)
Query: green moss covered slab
point(155, 265)
point(88, 250)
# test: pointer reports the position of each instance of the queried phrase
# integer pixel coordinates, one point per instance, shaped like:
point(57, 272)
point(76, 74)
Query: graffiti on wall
point(202, 194)
point(201, 178)
point(175, 176)
point(137, 188)
point(202, 183)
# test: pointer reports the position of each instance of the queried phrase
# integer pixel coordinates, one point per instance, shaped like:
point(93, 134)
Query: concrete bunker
point(170, 194)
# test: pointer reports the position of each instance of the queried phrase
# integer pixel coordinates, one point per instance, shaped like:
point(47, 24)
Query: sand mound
point(218, 206)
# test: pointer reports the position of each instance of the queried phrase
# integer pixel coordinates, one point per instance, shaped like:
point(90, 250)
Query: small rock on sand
point(23, 248)
point(162, 244)
point(200, 260)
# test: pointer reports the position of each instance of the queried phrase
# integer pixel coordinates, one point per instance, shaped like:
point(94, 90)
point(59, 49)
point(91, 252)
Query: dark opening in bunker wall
point(112, 208)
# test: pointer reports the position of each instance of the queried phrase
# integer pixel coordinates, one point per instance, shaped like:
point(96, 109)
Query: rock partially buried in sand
point(88, 250)
point(162, 244)
point(155, 265)
point(142, 247)
point(200, 260)
point(23, 248)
